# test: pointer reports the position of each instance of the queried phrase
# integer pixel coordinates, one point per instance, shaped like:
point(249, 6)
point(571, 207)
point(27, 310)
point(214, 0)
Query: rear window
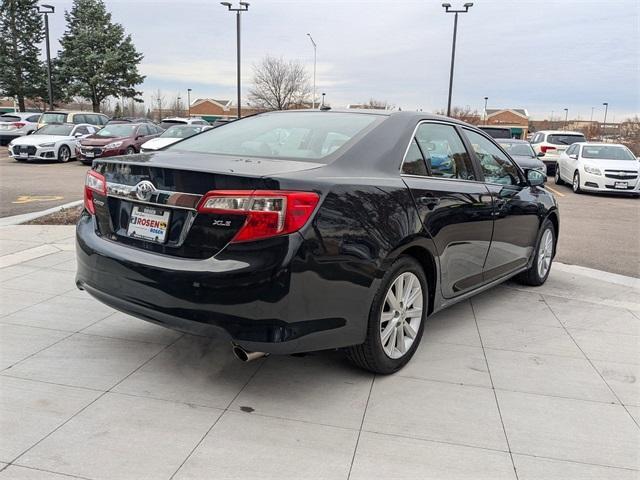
point(9, 118)
point(497, 132)
point(300, 136)
point(169, 123)
point(518, 149)
point(565, 139)
point(53, 118)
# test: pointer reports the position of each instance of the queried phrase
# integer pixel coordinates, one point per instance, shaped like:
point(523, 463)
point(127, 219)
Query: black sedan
point(308, 230)
point(523, 153)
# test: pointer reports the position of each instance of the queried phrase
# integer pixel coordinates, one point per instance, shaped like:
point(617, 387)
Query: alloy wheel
point(545, 253)
point(401, 315)
point(65, 154)
point(576, 182)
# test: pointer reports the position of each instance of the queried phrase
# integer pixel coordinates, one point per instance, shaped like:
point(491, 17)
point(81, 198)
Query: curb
point(26, 217)
point(599, 274)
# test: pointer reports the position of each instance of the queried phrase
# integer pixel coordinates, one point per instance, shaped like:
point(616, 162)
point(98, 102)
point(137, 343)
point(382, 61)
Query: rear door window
point(496, 166)
point(444, 151)
point(414, 163)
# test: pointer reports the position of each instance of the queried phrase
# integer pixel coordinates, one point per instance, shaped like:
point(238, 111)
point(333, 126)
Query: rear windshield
point(53, 118)
point(169, 123)
point(497, 132)
point(607, 152)
point(55, 130)
point(565, 139)
point(9, 118)
point(518, 149)
point(300, 136)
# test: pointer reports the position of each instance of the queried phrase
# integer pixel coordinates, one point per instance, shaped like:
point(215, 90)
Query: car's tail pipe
point(246, 355)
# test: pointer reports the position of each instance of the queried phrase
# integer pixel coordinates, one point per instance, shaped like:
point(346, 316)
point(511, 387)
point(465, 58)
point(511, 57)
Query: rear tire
point(64, 154)
point(130, 151)
point(557, 178)
point(538, 273)
point(576, 183)
point(398, 324)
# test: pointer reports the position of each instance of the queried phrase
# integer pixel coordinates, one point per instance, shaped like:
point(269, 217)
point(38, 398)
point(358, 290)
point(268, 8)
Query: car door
point(455, 208)
point(562, 163)
point(515, 208)
point(570, 161)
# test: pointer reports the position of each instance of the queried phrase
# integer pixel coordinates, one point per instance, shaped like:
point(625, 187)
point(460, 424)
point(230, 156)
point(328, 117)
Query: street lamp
point(189, 102)
point(315, 52)
point(485, 108)
point(178, 105)
point(447, 8)
point(46, 10)
point(566, 117)
point(604, 124)
point(244, 6)
point(322, 104)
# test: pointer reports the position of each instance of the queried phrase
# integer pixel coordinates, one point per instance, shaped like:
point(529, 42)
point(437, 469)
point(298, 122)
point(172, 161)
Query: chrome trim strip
point(161, 198)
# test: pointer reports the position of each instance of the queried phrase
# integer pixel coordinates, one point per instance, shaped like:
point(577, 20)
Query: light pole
point(447, 8)
point(189, 102)
point(604, 124)
point(244, 6)
point(591, 120)
point(315, 56)
point(178, 105)
point(485, 108)
point(322, 104)
point(566, 117)
point(46, 10)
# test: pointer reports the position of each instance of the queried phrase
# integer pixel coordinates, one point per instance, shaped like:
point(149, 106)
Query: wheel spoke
point(414, 313)
point(386, 333)
point(408, 329)
point(400, 345)
point(413, 297)
point(386, 316)
point(392, 341)
point(407, 291)
point(400, 288)
point(392, 301)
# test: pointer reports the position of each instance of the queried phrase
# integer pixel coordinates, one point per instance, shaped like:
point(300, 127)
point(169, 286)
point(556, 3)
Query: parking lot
point(538, 381)
point(30, 187)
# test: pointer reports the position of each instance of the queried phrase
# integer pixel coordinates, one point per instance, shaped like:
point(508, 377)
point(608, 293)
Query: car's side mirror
point(536, 177)
point(573, 156)
point(78, 135)
point(540, 154)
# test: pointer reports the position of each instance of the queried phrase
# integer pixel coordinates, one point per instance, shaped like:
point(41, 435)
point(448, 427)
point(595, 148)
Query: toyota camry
point(297, 231)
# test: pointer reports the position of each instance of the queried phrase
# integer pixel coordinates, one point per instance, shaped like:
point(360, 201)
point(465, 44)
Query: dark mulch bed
point(67, 216)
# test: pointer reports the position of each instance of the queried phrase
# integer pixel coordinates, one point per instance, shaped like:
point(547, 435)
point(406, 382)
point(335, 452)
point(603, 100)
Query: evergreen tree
point(22, 74)
point(97, 59)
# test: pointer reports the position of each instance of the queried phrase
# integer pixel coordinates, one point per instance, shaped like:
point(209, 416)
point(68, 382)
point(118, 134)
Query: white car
point(549, 145)
point(172, 135)
point(14, 125)
point(51, 142)
point(169, 122)
point(599, 167)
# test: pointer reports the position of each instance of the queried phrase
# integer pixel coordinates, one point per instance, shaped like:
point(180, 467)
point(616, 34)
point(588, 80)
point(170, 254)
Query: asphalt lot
point(31, 187)
point(596, 231)
point(538, 381)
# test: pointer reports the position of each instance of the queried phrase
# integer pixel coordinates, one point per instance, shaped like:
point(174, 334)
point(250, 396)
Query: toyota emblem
point(144, 190)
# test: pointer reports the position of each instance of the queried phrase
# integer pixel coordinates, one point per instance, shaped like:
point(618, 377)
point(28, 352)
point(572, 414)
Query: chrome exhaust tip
point(245, 355)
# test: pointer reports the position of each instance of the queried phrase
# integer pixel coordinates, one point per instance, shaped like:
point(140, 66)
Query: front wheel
point(131, 150)
point(64, 154)
point(576, 183)
point(396, 320)
point(537, 274)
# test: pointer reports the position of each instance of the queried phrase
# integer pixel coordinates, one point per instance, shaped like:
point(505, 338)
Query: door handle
point(428, 201)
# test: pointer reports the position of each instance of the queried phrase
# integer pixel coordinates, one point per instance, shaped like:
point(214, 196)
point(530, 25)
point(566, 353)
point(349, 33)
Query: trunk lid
point(156, 194)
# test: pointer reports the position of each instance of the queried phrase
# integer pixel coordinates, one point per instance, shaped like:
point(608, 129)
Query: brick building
point(516, 119)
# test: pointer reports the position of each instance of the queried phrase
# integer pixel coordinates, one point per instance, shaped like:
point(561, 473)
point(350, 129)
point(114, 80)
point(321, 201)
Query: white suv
point(170, 122)
point(549, 145)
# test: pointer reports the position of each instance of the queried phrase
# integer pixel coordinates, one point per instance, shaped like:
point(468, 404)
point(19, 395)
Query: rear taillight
point(94, 182)
point(545, 149)
point(18, 124)
point(268, 212)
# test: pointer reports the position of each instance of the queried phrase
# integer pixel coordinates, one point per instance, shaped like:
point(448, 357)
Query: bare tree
point(158, 102)
point(465, 114)
point(279, 84)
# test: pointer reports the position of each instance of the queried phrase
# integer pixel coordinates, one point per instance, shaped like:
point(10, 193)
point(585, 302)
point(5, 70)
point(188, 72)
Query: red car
point(116, 139)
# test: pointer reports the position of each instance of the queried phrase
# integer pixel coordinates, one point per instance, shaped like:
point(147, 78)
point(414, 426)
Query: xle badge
point(221, 223)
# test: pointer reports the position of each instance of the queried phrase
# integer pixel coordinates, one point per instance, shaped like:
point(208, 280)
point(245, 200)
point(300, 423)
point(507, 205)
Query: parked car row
point(62, 136)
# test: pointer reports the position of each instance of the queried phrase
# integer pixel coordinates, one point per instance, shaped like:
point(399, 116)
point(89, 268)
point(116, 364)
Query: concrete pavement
point(538, 381)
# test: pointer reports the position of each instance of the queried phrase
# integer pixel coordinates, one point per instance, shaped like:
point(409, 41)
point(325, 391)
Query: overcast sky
point(542, 55)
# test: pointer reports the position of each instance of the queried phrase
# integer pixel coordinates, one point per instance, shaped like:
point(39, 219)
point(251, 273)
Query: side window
point(33, 118)
point(537, 138)
point(144, 130)
point(92, 119)
point(79, 118)
point(414, 161)
point(444, 151)
point(496, 166)
point(81, 130)
point(102, 120)
point(571, 150)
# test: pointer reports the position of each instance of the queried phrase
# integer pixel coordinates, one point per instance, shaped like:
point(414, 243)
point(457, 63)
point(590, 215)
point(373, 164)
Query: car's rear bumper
point(262, 299)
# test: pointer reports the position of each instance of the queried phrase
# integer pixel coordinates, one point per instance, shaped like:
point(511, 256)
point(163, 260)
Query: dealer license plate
point(621, 185)
point(148, 223)
point(89, 155)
